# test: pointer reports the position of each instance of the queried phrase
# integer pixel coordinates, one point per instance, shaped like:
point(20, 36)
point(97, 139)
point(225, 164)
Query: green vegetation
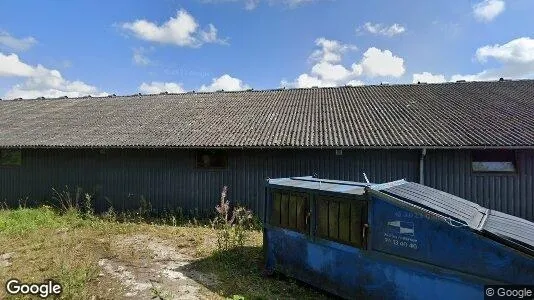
point(68, 243)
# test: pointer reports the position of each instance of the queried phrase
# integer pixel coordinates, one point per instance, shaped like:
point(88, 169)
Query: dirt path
point(148, 266)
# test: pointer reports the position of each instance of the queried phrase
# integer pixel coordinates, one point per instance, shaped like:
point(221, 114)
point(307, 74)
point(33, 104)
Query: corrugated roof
point(508, 229)
point(472, 114)
point(518, 231)
point(468, 212)
point(511, 228)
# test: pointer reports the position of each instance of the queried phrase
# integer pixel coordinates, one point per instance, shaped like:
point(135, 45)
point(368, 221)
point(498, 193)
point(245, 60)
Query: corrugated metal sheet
point(449, 115)
point(169, 179)
point(511, 228)
point(450, 171)
point(458, 208)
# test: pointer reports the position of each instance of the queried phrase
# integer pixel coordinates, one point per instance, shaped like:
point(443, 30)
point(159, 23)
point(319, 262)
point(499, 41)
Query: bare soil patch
point(159, 269)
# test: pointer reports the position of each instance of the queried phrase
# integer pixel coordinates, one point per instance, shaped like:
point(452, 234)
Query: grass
point(67, 248)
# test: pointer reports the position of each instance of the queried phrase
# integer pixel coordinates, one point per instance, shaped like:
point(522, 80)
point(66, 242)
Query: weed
point(230, 224)
point(110, 215)
point(65, 201)
point(88, 210)
point(23, 202)
point(170, 217)
point(242, 224)
point(70, 204)
point(74, 278)
point(158, 293)
point(256, 223)
point(145, 209)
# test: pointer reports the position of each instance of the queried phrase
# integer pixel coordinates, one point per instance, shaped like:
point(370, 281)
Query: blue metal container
point(399, 240)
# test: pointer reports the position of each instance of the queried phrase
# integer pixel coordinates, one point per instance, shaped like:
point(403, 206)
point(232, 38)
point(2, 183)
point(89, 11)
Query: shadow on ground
point(239, 272)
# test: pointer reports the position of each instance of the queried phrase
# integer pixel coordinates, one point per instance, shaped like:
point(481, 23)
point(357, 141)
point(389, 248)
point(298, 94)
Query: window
point(291, 211)
point(502, 161)
point(211, 159)
point(341, 220)
point(10, 158)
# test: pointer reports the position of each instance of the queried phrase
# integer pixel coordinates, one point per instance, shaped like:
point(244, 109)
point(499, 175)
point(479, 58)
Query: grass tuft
point(26, 220)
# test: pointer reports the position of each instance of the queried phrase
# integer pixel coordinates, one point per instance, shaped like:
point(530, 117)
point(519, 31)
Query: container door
point(290, 210)
point(341, 220)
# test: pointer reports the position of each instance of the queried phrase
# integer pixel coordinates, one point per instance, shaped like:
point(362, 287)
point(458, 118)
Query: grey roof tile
point(450, 115)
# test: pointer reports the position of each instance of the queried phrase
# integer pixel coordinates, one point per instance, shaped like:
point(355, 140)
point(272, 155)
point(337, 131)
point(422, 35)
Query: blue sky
point(53, 48)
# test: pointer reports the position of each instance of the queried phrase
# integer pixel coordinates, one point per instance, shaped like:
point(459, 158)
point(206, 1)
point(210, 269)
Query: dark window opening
point(211, 159)
point(291, 211)
point(341, 220)
point(501, 161)
point(10, 157)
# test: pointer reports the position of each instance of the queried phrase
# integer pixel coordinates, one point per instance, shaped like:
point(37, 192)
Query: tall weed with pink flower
point(231, 223)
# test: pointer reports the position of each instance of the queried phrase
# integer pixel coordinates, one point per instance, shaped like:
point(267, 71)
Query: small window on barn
point(341, 220)
point(488, 161)
point(290, 210)
point(211, 159)
point(10, 157)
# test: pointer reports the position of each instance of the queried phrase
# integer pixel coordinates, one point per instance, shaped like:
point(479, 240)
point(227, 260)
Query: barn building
point(471, 139)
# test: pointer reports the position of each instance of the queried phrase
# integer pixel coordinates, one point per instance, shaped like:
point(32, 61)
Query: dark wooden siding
point(450, 171)
point(169, 178)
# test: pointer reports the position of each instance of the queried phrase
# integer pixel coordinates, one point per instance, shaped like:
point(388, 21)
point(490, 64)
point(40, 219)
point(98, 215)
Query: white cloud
point(473, 77)
point(428, 78)
point(292, 3)
point(182, 30)
point(10, 65)
point(139, 58)
point(17, 44)
point(376, 62)
point(355, 82)
point(335, 72)
point(520, 51)
point(50, 84)
point(488, 10)
point(156, 87)
point(380, 29)
point(226, 83)
point(307, 81)
point(516, 58)
point(253, 4)
point(328, 70)
point(210, 35)
point(40, 81)
point(330, 50)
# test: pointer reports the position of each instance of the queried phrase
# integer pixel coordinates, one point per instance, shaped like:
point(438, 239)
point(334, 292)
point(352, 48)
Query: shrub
point(68, 203)
point(231, 225)
point(65, 200)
